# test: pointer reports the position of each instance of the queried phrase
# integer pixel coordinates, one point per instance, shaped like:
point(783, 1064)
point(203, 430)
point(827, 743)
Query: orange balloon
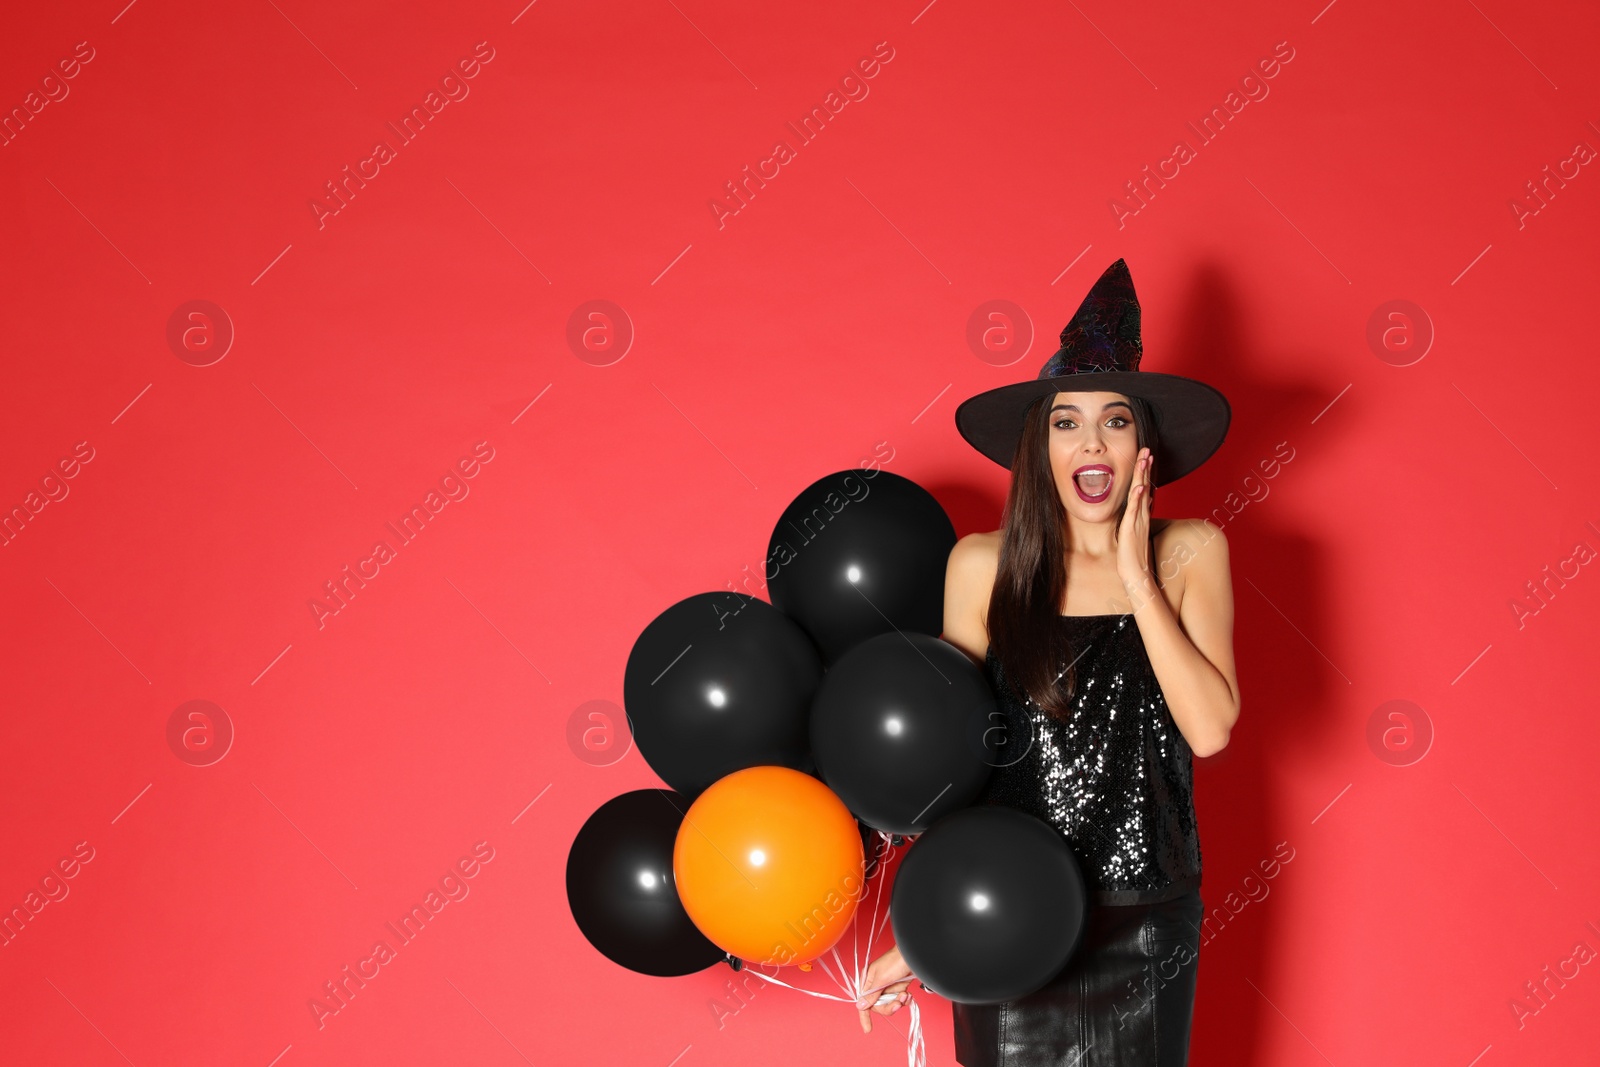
point(769, 865)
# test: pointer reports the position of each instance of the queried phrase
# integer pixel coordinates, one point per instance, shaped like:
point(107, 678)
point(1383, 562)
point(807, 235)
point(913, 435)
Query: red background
point(1384, 561)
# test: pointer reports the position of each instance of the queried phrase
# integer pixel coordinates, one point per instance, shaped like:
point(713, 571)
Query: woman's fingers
point(1130, 510)
point(889, 1007)
point(889, 966)
point(886, 1008)
point(1133, 530)
point(1142, 506)
point(867, 1000)
point(897, 991)
point(1149, 483)
point(900, 994)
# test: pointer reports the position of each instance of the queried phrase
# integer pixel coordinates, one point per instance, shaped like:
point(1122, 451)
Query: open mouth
point(1093, 483)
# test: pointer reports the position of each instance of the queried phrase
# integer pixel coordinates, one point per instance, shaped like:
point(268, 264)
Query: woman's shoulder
point(969, 580)
point(989, 539)
point(1185, 538)
point(1182, 545)
point(976, 554)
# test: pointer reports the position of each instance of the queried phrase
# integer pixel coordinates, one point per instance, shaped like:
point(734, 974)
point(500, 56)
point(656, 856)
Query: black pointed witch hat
point(1100, 352)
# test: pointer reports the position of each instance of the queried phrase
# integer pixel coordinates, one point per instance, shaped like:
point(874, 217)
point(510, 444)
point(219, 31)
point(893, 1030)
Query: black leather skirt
point(1124, 999)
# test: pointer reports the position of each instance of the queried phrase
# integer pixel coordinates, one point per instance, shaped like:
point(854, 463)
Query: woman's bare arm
point(1191, 653)
point(968, 580)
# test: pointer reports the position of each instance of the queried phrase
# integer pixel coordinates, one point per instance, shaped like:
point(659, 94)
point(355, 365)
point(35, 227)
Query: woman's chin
point(1106, 512)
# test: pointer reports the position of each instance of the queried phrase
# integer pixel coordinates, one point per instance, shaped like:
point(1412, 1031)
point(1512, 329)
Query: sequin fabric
point(1115, 777)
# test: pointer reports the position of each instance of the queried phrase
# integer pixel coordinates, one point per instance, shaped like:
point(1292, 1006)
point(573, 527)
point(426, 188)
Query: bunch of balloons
point(788, 732)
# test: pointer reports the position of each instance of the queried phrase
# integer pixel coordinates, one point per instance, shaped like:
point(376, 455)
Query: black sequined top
point(1116, 777)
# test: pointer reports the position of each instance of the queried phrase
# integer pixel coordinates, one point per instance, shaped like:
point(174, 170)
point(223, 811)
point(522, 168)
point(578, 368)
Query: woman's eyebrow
point(1107, 407)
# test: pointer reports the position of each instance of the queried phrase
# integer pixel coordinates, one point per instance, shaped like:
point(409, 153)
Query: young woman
point(1108, 637)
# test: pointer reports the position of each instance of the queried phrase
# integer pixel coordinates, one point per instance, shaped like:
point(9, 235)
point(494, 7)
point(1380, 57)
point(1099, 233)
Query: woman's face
point(1093, 448)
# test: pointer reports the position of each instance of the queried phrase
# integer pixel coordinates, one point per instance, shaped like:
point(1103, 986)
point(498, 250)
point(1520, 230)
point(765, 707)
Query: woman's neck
point(1091, 542)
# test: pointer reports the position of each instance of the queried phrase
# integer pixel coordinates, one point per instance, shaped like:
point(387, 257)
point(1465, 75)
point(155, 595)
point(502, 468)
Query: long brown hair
point(1031, 582)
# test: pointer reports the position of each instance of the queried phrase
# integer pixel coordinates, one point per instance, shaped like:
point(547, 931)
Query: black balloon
point(989, 904)
point(717, 683)
point(859, 553)
point(899, 728)
point(622, 892)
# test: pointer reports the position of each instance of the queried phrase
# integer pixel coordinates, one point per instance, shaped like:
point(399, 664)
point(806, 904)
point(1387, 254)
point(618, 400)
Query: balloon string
point(855, 955)
point(856, 949)
point(916, 1047)
point(838, 979)
point(812, 992)
point(853, 990)
point(885, 847)
point(872, 929)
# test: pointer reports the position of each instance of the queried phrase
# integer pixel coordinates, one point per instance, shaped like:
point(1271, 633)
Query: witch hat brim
point(991, 421)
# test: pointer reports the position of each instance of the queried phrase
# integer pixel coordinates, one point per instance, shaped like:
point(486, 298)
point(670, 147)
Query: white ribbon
point(852, 984)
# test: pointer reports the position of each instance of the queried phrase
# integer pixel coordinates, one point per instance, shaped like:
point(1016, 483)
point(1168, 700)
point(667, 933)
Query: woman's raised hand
point(1133, 533)
point(889, 967)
